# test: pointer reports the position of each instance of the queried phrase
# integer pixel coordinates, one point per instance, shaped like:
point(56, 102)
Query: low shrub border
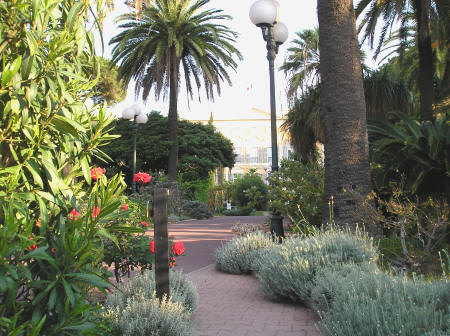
point(336, 274)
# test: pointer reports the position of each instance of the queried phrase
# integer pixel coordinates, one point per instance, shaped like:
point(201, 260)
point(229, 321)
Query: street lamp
point(264, 14)
point(134, 113)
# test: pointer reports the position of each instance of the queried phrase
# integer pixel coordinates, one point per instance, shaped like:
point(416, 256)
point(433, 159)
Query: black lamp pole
point(134, 127)
point(276, 221)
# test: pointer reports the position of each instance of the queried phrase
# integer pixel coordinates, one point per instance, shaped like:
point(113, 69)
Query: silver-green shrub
point(238, 255)
point(376, 303)
point(135, 310)
point(288, 271)
point(140, 315)
point(182, 290)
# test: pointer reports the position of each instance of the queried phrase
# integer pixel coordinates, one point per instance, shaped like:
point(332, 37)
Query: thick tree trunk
point(344, 110)
point(425, 59)
point(173, 117)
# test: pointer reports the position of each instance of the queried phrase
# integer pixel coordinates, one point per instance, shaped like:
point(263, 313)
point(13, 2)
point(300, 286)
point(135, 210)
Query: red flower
point(124, 207)
point(142, 177)
point(178, 248)
point(53, 250)
point(171, 265)
point(32, 247)
point(96, 172)
point(74, 214)
point(145, 224)
point(95, 211)
point(152, 246)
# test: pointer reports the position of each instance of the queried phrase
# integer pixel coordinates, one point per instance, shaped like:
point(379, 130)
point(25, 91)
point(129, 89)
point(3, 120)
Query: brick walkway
point(234, 305)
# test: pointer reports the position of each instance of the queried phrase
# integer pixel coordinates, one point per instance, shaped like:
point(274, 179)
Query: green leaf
point(69, 291)
point(91, 279)
point(66, 125)
point(10, 70)
point(44, 216)
point(105, 234)
point(32, 43)
point(35, 171)
point(76, 9)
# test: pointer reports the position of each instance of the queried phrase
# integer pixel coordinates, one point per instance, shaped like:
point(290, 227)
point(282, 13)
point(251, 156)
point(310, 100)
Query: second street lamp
point(134, 113)
point(264, 14)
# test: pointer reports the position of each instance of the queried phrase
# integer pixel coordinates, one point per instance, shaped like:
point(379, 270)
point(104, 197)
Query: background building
point(250, 133)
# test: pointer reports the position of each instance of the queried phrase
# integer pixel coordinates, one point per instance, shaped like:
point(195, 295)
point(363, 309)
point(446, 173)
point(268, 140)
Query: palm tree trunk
point(173, 116)
point(422, 9)
point(344, 110)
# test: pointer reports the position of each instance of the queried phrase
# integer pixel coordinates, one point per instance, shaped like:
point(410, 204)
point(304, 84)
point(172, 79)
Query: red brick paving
point(233, 305)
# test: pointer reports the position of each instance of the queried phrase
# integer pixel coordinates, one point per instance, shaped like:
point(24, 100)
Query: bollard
point(161, 243)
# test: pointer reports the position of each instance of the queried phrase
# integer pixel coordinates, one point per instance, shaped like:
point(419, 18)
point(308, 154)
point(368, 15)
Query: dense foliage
point(296, 190)
point(201, 148)
point(54, 216)
point(250, 191)
point(420, 151)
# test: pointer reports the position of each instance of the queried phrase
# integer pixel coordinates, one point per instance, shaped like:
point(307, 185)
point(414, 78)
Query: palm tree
point(343, 109)
point(420, 12)
point(170, 39)
point(301, 65)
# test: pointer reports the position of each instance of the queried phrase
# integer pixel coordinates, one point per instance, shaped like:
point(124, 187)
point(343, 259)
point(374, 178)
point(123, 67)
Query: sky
point(251, 80)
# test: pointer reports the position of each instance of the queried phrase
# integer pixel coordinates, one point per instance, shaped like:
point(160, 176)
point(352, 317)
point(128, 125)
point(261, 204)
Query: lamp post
point(264, 14)
point(134, 113)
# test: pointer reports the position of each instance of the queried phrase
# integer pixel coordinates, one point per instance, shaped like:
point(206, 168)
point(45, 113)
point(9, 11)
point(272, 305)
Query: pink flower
point(178, 248)
point(142, 177)
point(152, 246)
point(74, 214)
point(96, 172)
point(124, 207)
point(145, 224)
point(95, 211)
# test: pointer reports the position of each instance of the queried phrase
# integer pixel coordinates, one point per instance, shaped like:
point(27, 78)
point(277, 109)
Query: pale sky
point(251, 81)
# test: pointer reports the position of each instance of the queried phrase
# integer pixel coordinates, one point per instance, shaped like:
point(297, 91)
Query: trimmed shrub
point(196, 209)
point(135, 310)
point(238, 211)
point(287, 273)
point(377, 303)
point(239, 254)
point(251, 191)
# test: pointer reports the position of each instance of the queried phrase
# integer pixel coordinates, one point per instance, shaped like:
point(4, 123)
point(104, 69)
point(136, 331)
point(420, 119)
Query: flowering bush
point(176, 249)
point(49, 134)
point(142, 178)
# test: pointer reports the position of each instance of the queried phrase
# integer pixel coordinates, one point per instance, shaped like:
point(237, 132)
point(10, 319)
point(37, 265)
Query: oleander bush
point(135, 310)
point(361, 302)
point(288, 271)
point(196, 209)
point(239, 254)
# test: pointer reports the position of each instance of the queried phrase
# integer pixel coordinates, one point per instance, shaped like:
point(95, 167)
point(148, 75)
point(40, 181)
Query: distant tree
point(202, 148)
point(109, 88)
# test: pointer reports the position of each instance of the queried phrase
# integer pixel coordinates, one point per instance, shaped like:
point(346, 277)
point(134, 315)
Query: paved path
point(233, 305)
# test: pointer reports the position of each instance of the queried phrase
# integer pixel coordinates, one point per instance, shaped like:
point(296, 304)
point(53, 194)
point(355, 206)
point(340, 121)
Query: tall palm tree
point(344, 111)
point(170, 39)
point(302, 62)
point(407, 12)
